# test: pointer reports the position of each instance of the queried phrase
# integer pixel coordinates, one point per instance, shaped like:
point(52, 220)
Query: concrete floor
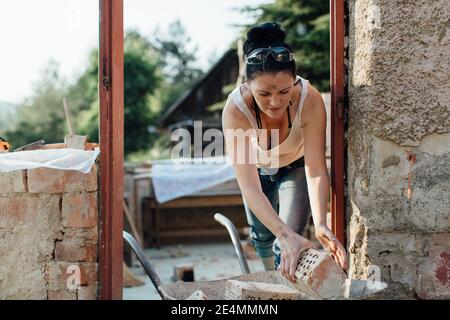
point(211, 262)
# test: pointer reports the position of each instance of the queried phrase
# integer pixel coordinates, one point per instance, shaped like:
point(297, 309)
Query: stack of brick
point(49, 234)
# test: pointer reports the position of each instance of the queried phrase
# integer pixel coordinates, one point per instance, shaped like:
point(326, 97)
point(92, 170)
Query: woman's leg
point(261, 237)
point(294, 207)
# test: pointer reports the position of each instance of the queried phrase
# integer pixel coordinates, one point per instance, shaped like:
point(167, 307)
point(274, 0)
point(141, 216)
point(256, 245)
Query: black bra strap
point(289, 114)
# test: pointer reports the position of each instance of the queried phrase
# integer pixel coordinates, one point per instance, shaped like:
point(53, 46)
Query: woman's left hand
point(332, 245)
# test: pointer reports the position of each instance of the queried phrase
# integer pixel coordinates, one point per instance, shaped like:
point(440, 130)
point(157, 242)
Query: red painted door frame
point(337, 33)
point(111, 92)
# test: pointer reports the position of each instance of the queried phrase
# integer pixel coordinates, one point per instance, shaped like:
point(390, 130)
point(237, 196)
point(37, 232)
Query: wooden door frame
point(111, 95)
point(337, 84)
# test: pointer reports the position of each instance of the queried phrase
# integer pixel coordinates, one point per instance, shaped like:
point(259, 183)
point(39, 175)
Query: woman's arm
point(314, 131)
point(317, 175)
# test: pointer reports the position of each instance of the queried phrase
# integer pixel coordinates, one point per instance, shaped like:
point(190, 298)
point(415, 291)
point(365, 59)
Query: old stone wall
point(398, 144)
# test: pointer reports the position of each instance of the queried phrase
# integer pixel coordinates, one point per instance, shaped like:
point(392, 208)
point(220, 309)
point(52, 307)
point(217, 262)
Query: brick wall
point(48, 234)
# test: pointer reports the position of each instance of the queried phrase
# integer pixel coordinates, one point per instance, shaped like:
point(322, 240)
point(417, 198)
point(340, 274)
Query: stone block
point(13, 182)
point(242, 290)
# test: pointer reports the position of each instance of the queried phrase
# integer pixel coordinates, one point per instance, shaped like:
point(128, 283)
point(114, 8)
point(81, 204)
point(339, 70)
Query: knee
point(262, 241)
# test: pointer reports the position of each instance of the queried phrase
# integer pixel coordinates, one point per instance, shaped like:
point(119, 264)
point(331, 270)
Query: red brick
point(88, 292)
point(75, 251)
point(62, 294)
point(83, 234)
point(15, 210)
point(45, 180)
point(319, 276)
point(13, 182)
point(80, 210)
point(183, 272)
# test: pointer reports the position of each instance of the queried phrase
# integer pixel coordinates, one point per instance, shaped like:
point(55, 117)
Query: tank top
point(289, 150)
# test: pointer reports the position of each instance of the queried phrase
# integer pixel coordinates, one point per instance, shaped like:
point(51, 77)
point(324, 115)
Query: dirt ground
point(211, 262)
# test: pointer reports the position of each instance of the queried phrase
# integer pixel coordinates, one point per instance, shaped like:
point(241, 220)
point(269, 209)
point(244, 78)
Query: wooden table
point(198, 200)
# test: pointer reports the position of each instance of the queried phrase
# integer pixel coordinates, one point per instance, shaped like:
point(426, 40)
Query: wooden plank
point(137, 210)
point(111, 149)
point(132, 224)
point(203, 201)
point(337, 115)
point(211, 193)
point(200, 232)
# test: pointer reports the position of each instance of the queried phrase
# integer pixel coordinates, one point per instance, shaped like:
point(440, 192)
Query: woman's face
point(272, 92)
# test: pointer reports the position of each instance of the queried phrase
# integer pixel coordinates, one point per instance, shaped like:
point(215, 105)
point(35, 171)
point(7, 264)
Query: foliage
point(41, 116)
point(307, 24)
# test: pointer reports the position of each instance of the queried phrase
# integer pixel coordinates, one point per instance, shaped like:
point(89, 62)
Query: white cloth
point(174, 178)
point(62, 159)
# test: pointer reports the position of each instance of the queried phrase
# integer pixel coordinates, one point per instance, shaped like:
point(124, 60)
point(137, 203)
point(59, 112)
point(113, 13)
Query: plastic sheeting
point(62, 159)
point(175, 178)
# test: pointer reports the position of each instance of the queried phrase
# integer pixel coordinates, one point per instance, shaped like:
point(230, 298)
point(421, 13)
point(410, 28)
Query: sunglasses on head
point(280, 54)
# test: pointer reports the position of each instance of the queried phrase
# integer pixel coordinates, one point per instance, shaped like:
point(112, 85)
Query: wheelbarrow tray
point(215, 289)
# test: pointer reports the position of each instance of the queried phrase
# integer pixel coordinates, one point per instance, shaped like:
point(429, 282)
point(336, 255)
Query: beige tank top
point(291, 149)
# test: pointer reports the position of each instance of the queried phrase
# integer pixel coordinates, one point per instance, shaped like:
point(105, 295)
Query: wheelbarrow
point(215, 289)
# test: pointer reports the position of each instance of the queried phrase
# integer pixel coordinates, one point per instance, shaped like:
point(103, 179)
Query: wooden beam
point(111, 92)
point(203, 201)
point(199, 232)
point(337, 118)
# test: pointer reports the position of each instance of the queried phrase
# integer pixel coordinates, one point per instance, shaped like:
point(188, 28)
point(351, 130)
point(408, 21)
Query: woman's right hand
point(292, 245)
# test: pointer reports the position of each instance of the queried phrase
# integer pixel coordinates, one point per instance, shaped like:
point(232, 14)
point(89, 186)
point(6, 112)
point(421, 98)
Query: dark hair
point(263, 36)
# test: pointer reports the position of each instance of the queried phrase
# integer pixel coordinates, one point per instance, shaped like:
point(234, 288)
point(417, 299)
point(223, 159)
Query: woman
point(288, 178)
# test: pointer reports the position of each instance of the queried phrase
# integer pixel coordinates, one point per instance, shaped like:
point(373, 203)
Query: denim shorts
point(287, 191)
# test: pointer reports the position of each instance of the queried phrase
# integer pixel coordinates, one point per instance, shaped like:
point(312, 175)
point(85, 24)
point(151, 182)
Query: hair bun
point(267, 33)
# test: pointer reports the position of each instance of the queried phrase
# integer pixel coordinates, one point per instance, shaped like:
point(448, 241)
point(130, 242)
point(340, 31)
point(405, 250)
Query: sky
point(33, 32)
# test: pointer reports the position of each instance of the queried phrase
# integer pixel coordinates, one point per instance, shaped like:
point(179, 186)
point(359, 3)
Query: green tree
point(142, 77)
point(41, 116)
point(156, 74)
point(308, 31)
point(8, 116)
point(84, 92)
point(179, 58)
point(178, 65)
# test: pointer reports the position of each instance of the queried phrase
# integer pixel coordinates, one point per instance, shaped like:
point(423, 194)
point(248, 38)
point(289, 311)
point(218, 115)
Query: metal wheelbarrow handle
point(143, 260)
point(235, 239)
